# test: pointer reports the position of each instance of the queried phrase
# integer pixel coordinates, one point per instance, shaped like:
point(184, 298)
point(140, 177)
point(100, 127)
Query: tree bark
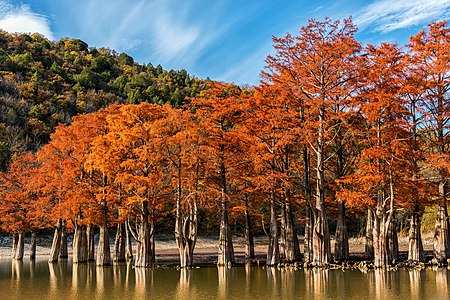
point(273, 252)
point(321, 235)
point(90, 242)
point(119, 245)
point(282, 233)
point(15, 239)
point(80, 248)
point(341, 250)
point(415, 247)
point(19, 246)
point(292, 249)
point(309, 221)
point(103, 250)
point(144, 252)
point(33, 246)
point(369, 235)
point(393, 241)
point(128, 245)
point(441, 242)
point(56, 245)
point(249, 244)
point(226, 251)
point(63, 253)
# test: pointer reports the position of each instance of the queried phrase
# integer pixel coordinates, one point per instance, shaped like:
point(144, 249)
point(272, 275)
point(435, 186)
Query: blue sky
point(219, 39)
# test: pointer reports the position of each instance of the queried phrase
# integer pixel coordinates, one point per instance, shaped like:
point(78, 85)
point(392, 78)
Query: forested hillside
point(44, 83)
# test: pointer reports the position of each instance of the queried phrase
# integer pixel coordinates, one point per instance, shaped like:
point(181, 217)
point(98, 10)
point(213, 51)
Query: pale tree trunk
point(292, 249)
point(273, 252)
point(341, 250)
point(15, 239)
point(19, 243)
point(128, 244)
point(33, 246)
point(415, 247)
point(226, 251)
point(64, 253)
point(186, 225)
point(441, 242)
point(90, 242)
point(369, 235)
point(382, 223)
point(119, 245)
point(103, 250)
point(321, 235)
point(249, 244)
point(56, 245)
point(144, 252)
point(79, 248)
point(282, 234)
point(309, 221)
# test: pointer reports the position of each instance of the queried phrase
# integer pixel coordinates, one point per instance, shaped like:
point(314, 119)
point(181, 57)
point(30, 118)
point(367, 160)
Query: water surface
point(41, 280)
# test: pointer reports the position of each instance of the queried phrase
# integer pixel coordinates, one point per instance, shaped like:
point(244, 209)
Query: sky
point(226, 40)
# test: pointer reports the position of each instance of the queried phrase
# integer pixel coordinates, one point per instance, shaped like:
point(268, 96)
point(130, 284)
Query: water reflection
point(27, 280)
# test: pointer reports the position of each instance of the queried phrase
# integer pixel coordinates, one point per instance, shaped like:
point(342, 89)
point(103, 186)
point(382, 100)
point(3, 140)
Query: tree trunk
point(64, 253)
point(144, 252)
point(90, 242)
point(273, 252)
point(393, 241)
point(282, 233)
point(103, 250)
point(129, 246)
point(20, 246)
point(249, 244)
point(15, 239)
point(56, 245)
point(309, 221)
point(80, 248)
point(369, 235)
point(292, 249)
point(33, 246)
point(341, 250)
point(441, 242)
point(307, 242)
point(226, 251)
point(321, 235)
point(119, 245)
point(381, 241)
point(415, 248)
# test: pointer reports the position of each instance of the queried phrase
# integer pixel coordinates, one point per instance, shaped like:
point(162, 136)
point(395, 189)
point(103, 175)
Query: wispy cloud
point(388, 15)
point(23, 19)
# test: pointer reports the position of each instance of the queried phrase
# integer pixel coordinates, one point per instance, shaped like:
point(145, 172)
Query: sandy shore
point(206, 248)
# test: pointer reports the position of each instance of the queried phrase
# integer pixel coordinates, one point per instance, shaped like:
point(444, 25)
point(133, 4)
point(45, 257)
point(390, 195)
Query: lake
point(41, 280)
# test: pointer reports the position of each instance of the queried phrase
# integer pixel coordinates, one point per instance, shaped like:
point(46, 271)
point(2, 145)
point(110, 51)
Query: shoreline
point(206, 252)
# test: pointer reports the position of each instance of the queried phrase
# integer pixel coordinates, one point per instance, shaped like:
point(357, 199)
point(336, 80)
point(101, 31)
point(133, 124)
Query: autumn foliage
point(334, 125)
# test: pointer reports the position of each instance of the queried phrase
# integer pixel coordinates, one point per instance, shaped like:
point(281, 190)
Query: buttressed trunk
point(144, 252)
point(103, 252)
point(307, 242)
point(341, 250)
point(80, 247)
point(273, 251)
point(128, 245)
point(56, 245)
point(64, 253)
point(226, 251)
point(292, 249)
point(415, 247)
point(18, 246)
point(369, 235)
point(119, 245)
point(90, 242)
point(441, 240)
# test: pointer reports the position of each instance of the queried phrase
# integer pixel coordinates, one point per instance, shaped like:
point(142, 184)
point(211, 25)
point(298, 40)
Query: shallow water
point(41, 280)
